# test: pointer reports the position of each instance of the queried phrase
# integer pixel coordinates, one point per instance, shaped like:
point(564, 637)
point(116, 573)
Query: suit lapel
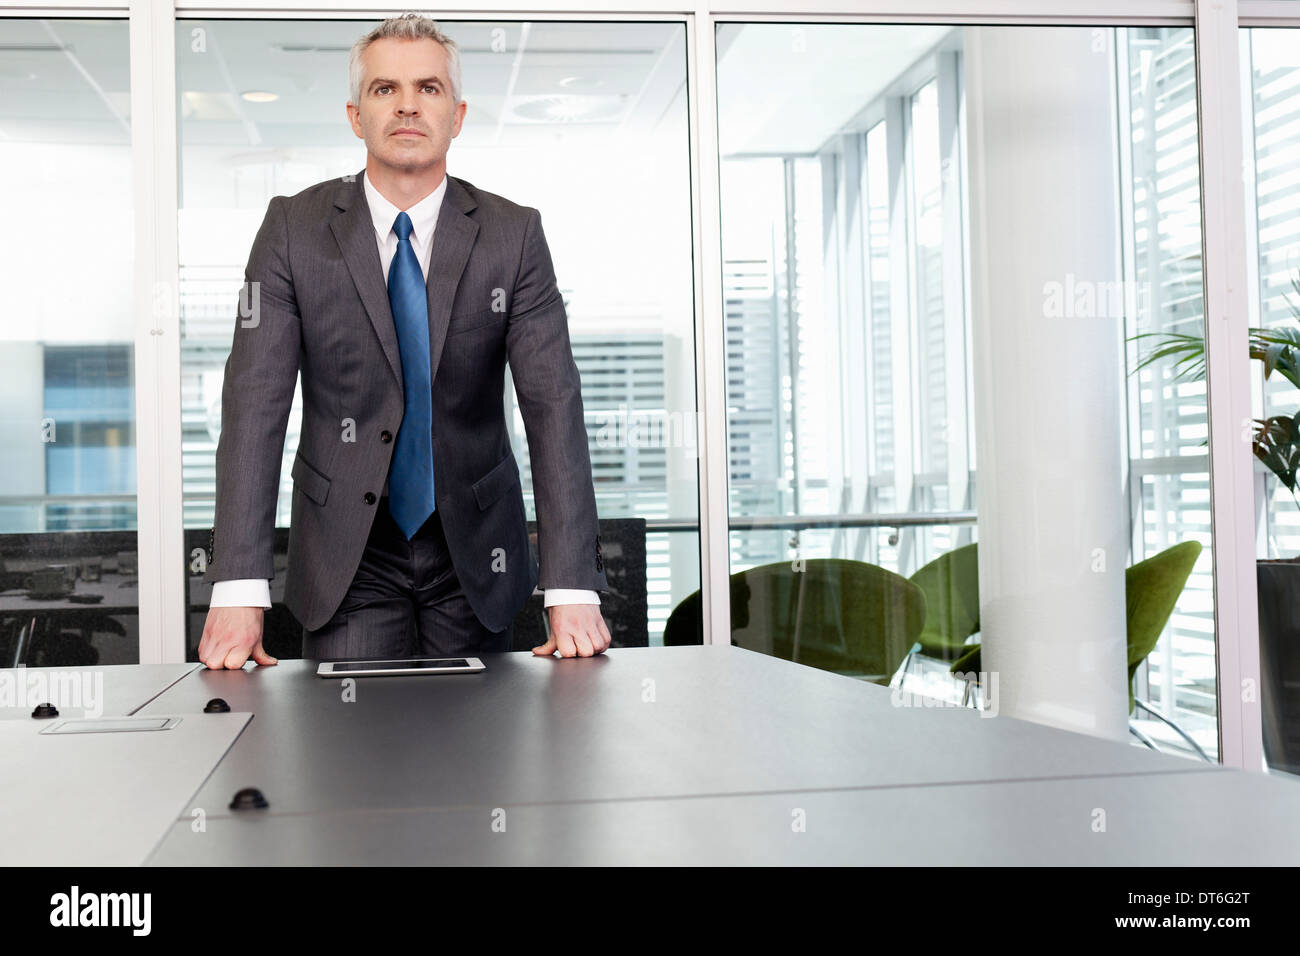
point(355, 232)
point(453, 237)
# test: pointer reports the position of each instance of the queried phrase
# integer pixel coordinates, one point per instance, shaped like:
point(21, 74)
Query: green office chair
point(1151, 589)
point(951, 584)
point(835, 614)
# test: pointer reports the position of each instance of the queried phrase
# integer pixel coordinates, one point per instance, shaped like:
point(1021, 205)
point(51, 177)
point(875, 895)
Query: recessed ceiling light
point(581, 82)
point(260, 96)
point(567, 108)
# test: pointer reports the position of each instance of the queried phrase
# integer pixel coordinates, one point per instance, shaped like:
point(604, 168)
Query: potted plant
point(1275, 441)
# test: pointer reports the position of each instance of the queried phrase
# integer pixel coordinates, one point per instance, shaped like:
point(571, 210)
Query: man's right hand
point(231, 635)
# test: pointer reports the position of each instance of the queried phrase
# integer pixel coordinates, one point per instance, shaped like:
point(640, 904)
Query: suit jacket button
point(385, 436)
point(370, 497)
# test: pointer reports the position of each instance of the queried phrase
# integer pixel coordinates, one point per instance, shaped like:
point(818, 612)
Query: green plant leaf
point(1276, 440)
point(1276, 446)
point(1187, 350)
point(1279, 350)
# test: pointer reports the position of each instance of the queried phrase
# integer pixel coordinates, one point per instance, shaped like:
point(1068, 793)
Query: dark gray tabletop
point(1165, 819)
point(109, 691)
point(654, 755)
point(97, 799)
point(686, 754)
point(101, 799)
point(532, 729)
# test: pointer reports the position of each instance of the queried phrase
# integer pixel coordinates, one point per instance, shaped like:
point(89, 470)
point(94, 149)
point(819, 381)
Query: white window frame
point(157, 346)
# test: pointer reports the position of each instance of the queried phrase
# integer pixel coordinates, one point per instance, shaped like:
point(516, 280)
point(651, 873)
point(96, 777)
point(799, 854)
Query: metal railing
point(906, 519)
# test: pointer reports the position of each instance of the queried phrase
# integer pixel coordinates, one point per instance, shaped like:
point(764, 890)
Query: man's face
point(406, 115)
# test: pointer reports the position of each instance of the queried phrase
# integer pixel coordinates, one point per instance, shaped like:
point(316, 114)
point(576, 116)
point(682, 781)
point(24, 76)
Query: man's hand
point(577, 630)
point(231, 635)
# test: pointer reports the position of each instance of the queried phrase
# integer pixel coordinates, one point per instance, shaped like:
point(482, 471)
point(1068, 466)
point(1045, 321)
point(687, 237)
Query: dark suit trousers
point(404, 601)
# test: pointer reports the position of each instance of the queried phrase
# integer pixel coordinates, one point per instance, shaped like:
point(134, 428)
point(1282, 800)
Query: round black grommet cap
point(250, 798)
point(45, 710)
point(216, 706)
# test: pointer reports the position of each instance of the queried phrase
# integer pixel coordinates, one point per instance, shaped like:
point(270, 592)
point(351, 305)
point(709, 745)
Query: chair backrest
point(831, 613)
point(624, 606)
point(685, 625)
point(281, 632)
point(951, 584)
point(1151, 589)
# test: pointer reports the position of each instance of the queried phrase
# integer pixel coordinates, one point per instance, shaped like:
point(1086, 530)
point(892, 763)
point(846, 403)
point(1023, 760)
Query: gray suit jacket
point(314, 298)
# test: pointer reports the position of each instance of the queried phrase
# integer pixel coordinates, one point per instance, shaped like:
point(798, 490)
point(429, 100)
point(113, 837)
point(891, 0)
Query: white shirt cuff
point(256, 592)
point(555, 596)
point(241, 592)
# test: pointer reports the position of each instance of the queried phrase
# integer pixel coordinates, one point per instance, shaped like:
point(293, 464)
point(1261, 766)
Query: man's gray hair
point(409, 26)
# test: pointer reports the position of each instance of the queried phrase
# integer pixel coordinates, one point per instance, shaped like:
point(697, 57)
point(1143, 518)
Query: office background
point(814, 260)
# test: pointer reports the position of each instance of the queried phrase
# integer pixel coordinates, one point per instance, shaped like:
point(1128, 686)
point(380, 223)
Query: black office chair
point(65, 641)
point(281, 632)
point(624, 606)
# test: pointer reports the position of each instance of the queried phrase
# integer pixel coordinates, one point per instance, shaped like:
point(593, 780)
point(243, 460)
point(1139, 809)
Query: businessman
point(401, 293)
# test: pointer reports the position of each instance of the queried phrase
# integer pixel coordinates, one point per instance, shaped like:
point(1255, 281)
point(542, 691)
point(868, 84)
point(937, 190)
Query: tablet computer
point(413, 665)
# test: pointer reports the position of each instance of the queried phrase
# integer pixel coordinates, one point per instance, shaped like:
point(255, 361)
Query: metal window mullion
point(1278, 13)
point(842, 298)
point(1048, 12)
point(1254, 301)
point(855, 258)
point(899, 300)
point(954, 268)
point(965, 536)
point(710, 327)
point(163, 603)
point(917, 373)
point(789, 309)
point(1227, 320)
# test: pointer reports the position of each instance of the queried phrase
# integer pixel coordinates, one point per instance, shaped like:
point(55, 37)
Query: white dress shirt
point(256, 592)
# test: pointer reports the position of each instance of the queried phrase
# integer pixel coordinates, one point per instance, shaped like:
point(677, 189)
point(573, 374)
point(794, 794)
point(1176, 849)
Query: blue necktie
point(410, 478)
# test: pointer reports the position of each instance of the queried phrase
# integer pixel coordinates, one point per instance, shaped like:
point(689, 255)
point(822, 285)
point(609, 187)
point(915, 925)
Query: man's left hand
point(577, 630)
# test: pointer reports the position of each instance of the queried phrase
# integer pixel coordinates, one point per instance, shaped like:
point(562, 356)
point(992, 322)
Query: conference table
point(659, 755)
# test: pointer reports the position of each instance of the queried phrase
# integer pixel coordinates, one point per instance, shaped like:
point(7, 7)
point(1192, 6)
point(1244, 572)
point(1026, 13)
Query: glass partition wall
point(956, 335)
point(68, 549)
point(1271, 92)
point(959, 463)
point(584, 121)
